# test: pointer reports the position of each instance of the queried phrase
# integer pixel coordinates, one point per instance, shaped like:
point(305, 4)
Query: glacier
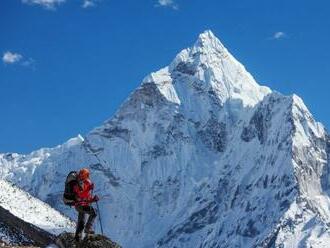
point(199, 155)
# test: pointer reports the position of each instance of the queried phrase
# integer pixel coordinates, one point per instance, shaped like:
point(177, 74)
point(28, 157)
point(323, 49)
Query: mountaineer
point(78, 193)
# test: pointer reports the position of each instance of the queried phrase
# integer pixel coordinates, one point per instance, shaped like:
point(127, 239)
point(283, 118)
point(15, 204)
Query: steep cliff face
point(199, 155)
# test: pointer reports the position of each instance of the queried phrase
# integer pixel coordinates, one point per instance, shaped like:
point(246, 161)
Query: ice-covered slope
point(199, 155)
point(32, 210)
point(27, 220)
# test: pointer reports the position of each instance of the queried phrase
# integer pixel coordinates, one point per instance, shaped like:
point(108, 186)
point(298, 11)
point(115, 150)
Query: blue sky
point(67, 65)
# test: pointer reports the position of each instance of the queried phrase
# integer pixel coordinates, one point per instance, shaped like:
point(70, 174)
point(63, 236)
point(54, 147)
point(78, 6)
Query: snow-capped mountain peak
point(210, 65)
point(208, 42)
point(200, 155)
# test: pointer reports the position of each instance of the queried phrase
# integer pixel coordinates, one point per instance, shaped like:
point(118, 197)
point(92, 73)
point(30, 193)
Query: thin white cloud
point(167, 3)
point(53, 4)
point(88, 4)
point(11, 58)
point(279, 35)
point(48, 4)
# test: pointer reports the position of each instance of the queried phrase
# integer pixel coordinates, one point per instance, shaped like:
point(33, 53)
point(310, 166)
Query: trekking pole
point(98, 210)
point(99, 214)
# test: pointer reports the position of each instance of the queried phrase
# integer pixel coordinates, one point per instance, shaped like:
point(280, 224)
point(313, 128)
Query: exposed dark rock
point(186, 68)
point(248, 134)
point(158, 151)
point(66, 240)
point(257, 127)
point(250, 230)
point(147, 94)
point(260, 122)
point(9, 157)
point(113, 180)
point(15, 236)
point(5, 245)
point(116, 132)
point(270, 241)
point(214, 135)
point(92, 149)
point(197, 221)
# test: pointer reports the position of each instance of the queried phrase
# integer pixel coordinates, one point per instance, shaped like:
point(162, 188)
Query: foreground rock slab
point(66, 240)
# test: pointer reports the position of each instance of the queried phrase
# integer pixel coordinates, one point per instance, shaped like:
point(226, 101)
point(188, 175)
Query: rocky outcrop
point(66, 240)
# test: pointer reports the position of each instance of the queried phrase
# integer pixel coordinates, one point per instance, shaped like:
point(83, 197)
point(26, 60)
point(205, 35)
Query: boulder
point(66, 240)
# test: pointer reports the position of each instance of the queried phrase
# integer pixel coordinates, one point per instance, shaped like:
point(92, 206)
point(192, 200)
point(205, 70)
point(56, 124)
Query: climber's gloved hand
point(96, 198)
point(91, 186)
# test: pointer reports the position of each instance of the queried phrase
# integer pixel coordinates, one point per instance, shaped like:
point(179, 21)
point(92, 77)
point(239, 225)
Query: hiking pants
point(82, 211)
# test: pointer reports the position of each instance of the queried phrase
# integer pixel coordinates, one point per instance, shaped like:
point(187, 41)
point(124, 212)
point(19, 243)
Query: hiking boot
point(78, 237)
point(89, 230)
